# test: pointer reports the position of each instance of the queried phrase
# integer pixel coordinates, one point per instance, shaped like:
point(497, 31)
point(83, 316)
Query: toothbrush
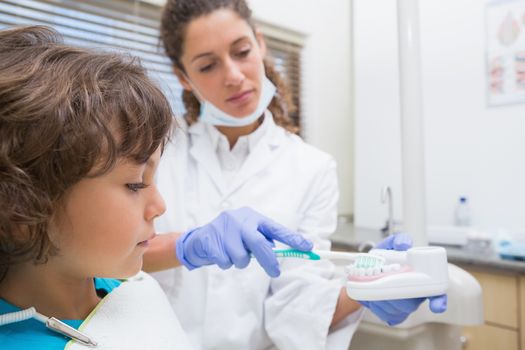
point(387, 274)
point(361, 260)
point(50, 322)
point(314, 255)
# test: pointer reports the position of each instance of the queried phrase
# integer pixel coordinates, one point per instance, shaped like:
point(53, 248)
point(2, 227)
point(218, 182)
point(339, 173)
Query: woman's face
point(106, 222)
point(223, 60)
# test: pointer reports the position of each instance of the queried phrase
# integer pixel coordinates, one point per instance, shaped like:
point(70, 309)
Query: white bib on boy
point(135, 315)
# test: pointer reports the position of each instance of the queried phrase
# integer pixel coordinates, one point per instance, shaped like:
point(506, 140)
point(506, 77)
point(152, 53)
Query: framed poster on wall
point(505, 40)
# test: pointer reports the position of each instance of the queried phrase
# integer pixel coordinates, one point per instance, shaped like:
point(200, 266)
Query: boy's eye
point(206, 68)
point(135, 187)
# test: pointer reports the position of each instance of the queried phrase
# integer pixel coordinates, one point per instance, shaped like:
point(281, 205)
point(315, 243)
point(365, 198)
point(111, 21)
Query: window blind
point(131, 26)
point(287, 59)
point(119, 25)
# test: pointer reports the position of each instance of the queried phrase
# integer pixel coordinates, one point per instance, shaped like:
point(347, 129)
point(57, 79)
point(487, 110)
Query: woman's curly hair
point(65, 114)
point(176, 17)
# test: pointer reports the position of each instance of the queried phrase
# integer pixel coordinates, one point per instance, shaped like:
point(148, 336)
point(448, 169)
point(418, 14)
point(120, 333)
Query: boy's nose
point(157, 205)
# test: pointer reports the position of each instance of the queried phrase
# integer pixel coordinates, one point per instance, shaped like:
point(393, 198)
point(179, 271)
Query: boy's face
point(106, 222)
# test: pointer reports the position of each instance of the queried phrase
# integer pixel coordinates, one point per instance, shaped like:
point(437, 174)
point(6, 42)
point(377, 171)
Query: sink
point(448, 235)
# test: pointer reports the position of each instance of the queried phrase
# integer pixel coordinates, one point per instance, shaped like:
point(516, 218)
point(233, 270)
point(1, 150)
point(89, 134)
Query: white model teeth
point(371, 271)
point(391, 268)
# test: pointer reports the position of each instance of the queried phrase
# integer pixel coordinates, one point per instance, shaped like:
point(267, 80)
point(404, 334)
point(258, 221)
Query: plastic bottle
point(462, 213)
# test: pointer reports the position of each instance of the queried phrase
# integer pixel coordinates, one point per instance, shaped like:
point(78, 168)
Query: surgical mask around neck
point(212, 115)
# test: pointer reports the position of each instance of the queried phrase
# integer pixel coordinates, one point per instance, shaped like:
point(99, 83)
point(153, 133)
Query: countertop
point(350, 238)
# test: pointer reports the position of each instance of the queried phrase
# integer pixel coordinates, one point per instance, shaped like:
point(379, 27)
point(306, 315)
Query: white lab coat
point(292, 183)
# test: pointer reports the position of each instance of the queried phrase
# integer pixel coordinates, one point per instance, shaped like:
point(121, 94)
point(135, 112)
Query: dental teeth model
point(388, 274)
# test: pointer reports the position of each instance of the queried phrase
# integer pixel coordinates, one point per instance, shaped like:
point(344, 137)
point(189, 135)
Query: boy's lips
point(146, 242)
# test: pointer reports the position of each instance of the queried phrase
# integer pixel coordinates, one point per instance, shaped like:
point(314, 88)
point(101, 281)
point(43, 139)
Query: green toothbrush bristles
point(294, 253)
point(365, 261)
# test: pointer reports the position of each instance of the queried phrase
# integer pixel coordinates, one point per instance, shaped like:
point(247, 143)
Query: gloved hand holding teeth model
point(230, 239)
point(394, 312)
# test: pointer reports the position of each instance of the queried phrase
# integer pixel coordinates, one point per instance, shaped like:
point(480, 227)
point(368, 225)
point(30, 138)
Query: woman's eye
point(244, 53)
point(135, 187)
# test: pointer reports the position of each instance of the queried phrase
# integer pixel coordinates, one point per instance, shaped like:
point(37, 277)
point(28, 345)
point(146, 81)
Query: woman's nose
point(234, 75)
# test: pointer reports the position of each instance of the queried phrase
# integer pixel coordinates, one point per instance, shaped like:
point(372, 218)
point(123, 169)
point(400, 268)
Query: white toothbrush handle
point(331, 255)
point(391, 256)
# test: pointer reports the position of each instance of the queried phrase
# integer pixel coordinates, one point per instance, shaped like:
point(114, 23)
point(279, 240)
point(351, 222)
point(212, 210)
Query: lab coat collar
point(259, 158)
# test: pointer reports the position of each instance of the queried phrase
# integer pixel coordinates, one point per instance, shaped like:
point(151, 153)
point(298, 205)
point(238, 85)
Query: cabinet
point(490, 337)
point(504, 309)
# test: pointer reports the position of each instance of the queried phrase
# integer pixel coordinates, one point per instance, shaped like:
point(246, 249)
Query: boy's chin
point(128, 272)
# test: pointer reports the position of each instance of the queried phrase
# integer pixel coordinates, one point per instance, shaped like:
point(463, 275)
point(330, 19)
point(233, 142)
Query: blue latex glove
point(230, 239)
point(396, 311)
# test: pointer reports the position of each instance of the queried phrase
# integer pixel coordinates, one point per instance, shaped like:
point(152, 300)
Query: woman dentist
point(240, 151)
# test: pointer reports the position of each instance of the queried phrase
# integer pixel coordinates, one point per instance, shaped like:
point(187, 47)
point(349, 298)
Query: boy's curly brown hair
point(65, 114)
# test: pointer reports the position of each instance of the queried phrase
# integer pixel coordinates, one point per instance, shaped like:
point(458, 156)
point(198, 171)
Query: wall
point(471, 149)
point(327, 98)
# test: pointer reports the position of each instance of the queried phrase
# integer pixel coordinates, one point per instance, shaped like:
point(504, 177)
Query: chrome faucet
point(386, 197)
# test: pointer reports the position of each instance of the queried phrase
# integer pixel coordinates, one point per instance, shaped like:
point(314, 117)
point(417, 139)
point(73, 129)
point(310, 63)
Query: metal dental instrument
point(50, 322)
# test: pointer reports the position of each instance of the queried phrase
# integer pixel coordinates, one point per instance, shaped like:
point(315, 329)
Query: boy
point(81, 134)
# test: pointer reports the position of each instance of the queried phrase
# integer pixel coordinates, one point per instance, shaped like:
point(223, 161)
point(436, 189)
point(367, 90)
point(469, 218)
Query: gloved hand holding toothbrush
point(232, 237)
point(394, 312)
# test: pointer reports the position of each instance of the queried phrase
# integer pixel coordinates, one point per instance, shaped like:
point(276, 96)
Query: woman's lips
point(241, 98)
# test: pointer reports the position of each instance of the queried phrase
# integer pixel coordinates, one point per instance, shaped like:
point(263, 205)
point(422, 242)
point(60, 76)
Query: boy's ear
point(182, 79)
point(262, 43)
